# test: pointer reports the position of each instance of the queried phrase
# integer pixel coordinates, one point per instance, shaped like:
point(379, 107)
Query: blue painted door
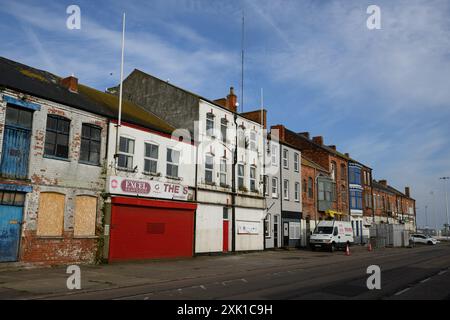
point(16, 147)
point(10, 227)
point(16, 143)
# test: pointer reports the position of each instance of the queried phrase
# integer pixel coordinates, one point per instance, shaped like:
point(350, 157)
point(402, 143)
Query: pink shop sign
point(143, 188)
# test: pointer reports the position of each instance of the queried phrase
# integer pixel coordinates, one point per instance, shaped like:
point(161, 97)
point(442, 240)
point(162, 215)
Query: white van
point(332, 235)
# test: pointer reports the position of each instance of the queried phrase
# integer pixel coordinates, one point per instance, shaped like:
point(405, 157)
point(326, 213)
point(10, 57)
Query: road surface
point(418, 273)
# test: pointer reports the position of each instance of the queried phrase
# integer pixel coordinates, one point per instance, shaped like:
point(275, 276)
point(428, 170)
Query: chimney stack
point(318, 140)
point(279, 128)
point(383, 182)
point(232, 101)
point(304, 134)
point(332, 147)
point(408, 192)
point(70, 83)
point(347, 155)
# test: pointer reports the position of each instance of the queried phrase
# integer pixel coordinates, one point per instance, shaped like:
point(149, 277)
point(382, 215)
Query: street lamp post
point(446, 201)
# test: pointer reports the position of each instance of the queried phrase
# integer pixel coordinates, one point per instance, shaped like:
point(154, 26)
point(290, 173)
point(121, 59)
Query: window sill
point(151, 174)
point(50, 237)
point(90, 164)
point(174, 178)
point(86, 237)
point(56, 158)
point(125, 170)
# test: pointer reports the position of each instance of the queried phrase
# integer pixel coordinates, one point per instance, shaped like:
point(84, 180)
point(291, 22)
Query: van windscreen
point(324, 230)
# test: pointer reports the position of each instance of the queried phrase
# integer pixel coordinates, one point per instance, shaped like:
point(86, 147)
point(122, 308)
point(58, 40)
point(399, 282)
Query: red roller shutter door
point(151, 229)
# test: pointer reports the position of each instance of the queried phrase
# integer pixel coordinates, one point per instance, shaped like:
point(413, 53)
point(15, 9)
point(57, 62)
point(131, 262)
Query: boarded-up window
point(51, 214)
point(85, 216)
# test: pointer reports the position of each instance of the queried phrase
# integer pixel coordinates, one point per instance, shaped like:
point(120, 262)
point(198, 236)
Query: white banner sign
point(147, 188)
point(246, 227)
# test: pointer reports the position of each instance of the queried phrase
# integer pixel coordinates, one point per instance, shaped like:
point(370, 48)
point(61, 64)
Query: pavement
point(406, 273)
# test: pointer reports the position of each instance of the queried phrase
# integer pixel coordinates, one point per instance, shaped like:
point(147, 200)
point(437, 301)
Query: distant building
point(333, 198)
point(392, 206)
point(360, 186)
point(283, 191)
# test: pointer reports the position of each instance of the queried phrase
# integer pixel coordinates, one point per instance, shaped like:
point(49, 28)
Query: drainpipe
point(233, 188)
point(281, 166)
point(195, 195)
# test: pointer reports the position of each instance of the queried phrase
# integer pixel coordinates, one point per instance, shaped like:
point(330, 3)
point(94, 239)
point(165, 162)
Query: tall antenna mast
point(242, 60)
point(119, 120)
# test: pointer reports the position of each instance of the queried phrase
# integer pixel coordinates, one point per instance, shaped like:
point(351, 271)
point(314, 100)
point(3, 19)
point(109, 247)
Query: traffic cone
point(369, 247)
point(347, 250)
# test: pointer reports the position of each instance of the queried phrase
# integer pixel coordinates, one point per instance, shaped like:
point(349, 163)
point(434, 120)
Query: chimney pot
point(383, 182)
point(408, 192)
point(347, 155)
point(332, 147)
point(70, 83)
point(318, 140)
point(232, 101)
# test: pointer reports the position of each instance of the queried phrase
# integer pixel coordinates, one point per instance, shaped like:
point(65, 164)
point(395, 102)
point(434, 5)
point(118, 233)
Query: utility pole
point(426, 217)
point(446, 202)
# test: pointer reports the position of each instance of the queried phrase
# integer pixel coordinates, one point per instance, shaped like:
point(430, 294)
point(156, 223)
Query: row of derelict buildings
point(178, 175)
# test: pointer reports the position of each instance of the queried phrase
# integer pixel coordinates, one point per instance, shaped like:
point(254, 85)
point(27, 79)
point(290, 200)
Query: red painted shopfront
point(151, 229)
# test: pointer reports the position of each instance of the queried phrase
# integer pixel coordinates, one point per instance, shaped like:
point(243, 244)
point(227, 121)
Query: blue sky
point(381, 95)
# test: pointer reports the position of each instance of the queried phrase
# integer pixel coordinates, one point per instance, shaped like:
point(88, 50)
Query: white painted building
point(219, 129)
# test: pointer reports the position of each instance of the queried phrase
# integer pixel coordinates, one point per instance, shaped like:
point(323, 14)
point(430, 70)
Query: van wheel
point(313, 248)
point(430, 243)
point(333, 247)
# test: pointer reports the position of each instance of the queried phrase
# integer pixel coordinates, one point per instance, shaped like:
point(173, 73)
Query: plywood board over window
point(85, 216)
point(51, 214)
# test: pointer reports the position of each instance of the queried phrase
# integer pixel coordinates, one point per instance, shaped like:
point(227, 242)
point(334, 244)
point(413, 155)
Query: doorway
point(11, 217)
point(226, 228)
point(286, 234)
point(275, 231)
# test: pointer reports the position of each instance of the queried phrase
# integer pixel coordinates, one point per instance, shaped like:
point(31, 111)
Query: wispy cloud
point(381, 95)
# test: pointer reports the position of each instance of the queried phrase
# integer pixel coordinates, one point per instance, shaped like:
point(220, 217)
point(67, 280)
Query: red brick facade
point(310, 171)
point(57, 251)
point(328, 158)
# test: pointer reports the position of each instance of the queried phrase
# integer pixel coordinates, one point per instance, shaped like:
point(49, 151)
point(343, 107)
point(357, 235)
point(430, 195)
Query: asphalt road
point(419, 273)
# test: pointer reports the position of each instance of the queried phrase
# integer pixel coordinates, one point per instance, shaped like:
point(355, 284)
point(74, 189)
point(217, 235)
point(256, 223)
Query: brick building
point(392, 206)
point(53, 142)
point(312, 173)
point(53, 150)
point(330, 159)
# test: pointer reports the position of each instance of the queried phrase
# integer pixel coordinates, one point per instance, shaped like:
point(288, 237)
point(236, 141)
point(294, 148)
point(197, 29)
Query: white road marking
point(442, 272)
point(402, 292)
point(425, 280)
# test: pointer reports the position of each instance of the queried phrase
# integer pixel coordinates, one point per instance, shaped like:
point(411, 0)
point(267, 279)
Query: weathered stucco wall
point(67, 177)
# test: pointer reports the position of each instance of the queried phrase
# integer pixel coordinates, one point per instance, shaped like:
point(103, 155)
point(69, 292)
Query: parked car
point(332, 235)
point(420, 238)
